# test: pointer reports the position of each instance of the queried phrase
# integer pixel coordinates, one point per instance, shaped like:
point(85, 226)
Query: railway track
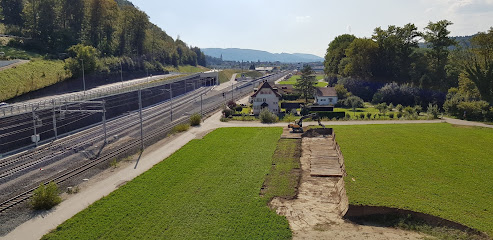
point(120, 126)
point(150, 138)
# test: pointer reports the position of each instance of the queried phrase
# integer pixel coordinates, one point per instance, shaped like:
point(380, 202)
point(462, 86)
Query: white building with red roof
point(265, 97)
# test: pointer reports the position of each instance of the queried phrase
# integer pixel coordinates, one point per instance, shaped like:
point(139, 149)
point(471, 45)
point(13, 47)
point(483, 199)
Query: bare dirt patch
point(317, 211)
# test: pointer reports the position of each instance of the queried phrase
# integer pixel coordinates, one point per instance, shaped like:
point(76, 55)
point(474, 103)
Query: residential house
point(325, 96)
point(265, 97)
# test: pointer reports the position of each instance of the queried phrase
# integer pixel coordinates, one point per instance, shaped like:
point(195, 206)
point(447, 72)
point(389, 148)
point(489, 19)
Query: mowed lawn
point(209, 189)
point(292, 80)
point(438, 169)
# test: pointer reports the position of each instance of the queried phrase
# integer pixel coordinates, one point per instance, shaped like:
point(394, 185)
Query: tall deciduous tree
point(477, 63)
point(306, 83)
point(437, 35)
point(361, 55)
point(30, 14)
point(395, 46)
point(12, 11)
point(336, 52)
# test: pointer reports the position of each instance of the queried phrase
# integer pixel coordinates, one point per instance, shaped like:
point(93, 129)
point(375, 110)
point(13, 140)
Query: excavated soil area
point(318, 210)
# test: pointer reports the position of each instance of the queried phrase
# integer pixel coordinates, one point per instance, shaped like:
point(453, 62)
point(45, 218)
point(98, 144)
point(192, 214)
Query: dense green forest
point(390, 67)
point(102, 33)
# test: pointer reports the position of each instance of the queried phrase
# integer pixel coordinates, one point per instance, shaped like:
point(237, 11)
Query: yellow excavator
point(297, 127)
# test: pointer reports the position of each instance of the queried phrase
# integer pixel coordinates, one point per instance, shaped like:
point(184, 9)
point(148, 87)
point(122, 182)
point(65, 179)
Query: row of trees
point(393, 55)
point(391, 67)
point(114, 28)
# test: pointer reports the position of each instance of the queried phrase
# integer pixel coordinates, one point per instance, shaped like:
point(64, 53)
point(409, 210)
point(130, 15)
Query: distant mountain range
point(237, 54)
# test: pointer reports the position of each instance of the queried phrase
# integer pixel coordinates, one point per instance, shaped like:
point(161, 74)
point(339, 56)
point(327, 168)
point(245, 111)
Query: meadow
point(292, 80)
point(34, 75)
point(209, 189)
point(437, 169)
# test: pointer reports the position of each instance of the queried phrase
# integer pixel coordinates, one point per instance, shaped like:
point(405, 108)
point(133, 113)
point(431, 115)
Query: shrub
point(418, 109)
point(289, 118)
point(224, 119)
point(238, 108)
point(231, 104)
point(391, 115)
point(180, 128)
point(391, 107)
point(382, 107)
point(409, 110)
point(348, 116)
point(475, 110)
point(399, 108)
point(195, 119)
point(432, 111)
point(45, 197)
point(227, 112)
point(362, 115)
point(354, 102)
point(399, 115)
point(368, 115)
point(267, 117)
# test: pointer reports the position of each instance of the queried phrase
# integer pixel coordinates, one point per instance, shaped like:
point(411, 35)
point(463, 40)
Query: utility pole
point(34, 125)
point(104, 121)
point(121, 73)
point(83, 77)
point(171, 96)
point(140, 115)
point(54, 119)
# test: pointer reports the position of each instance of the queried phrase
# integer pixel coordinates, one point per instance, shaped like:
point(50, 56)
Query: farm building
point(265, 97)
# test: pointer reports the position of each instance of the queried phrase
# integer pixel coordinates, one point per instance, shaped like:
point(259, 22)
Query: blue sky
point(304, 26)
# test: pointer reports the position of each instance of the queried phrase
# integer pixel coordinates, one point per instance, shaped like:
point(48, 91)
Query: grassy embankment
point(187, 69)
point(225, 75)
point(31, 76)
point(209, 189)
point(292, 80)
point(438, 169)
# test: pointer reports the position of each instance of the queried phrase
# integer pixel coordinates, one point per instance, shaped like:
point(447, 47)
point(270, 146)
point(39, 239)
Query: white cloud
point(303, 19)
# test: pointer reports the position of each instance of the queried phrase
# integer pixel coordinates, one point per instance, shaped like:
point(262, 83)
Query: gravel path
point(99, 187)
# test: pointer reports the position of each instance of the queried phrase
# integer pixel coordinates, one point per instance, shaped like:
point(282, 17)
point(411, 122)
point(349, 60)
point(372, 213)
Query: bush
point(45, 197)
point(362, 115)
point(409, 110)
point(368, 115)
point(238, 108)
point(348, 116)
point(393, 92)
point(418, 109)
point(475, 110)
point(352, 101)
point(399, 107)
point(224, 119)
point(391, 115)
point(195, 119)
point(289, 118)
point(231, 104)
point(399, 115)
point(267, 117)
point(227, 112)
point(432, 111)
point(180, 128)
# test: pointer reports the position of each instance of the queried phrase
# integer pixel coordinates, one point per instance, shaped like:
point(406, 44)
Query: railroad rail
point(130, 147)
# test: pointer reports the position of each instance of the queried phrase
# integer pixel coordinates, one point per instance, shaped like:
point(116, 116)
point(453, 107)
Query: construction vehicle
point(297, 127)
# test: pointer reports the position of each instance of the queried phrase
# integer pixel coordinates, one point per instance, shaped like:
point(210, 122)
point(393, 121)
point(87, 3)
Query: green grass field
point(292, 80)
point(438, 169)
point(31, 76)
point(209, 189)
point(187, 69)
point(15, 53)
